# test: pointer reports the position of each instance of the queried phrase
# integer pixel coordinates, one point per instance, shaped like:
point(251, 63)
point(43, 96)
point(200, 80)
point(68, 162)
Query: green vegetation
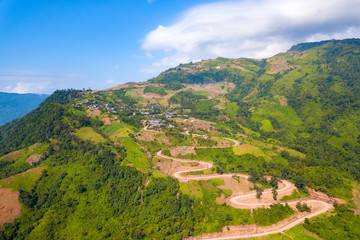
point(299, 109)
point(302, 207)
point(296, 195)
point(343, 225)
point(24, 181)
point(266, 126)
point(15, 162)
point(166, 152)
point(135, 155)
point(192, 188)
point(207, 142)
point(297, 232)
point(88, 133)
point(112, 128)
point(158, 90)
point(276, 212)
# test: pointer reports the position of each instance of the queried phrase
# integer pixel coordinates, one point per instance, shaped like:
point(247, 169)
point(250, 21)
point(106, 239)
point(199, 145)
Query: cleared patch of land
point(10, 207)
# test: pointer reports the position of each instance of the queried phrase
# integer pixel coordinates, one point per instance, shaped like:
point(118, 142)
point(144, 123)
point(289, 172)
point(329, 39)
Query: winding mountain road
point(242, 201)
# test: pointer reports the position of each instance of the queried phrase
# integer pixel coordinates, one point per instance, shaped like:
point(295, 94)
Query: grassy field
point(256, 152)
point(112, 128)
point(285, 116)
point(266, 126)
point(25, 180)
point(116, 131)
point(192, 188)
point(231, 109)
point(135, 156)
point(88, 133)
point(11, 156)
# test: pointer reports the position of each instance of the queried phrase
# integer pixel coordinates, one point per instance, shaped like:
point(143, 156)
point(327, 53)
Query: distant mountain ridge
point(14, 105)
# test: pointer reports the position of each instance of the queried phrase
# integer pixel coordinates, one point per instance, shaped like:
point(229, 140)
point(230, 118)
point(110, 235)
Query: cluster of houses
point(94, 105)
point(154, 123)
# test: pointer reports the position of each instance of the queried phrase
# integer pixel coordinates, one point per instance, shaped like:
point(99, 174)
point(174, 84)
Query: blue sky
point(47, 45)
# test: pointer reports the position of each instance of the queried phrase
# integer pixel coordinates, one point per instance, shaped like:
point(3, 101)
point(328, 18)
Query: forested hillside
point(88, 164)
point(307, 98)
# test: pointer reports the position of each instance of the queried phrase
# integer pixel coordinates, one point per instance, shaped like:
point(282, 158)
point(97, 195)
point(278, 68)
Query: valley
point(217, 149)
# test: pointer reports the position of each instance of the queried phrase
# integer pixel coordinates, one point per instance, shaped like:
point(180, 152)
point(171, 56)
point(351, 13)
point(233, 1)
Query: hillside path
point(246, 201)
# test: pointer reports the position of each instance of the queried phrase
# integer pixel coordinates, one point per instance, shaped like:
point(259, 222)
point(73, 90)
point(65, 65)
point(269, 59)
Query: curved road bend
point(237, 200)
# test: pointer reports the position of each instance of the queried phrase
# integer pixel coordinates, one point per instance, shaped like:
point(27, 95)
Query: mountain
point(13, 105)
point(208, 149)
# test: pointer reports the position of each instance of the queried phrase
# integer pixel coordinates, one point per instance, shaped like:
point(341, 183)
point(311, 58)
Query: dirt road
point(249, 201)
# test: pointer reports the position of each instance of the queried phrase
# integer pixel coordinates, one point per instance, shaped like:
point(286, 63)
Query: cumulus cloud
point(250, 28)
point(27, 87)
point(28, 82)
point(110, 81)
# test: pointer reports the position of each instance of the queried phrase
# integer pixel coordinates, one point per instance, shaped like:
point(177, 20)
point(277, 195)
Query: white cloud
point(27, 87)
point(116, 66)
point(250, 28)
point(30, 82)
point(110, 81)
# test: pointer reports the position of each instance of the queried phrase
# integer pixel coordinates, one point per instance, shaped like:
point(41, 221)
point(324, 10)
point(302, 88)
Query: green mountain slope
point(307, 97)
point(86, 168)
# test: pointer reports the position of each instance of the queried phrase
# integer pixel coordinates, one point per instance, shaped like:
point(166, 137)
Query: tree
point(303, 207)
point(275, 193)
point(274, 182)
point(219, 170)
point(166, 152)
point(259, 192)
point(300, 182)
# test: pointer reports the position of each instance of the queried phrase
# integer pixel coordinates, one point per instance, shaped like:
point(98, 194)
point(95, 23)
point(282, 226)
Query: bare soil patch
point(180, 151)
point(93, 112)
point(213, 89)
point(239, 67)
point(356, 199)
point(237, 187)
point(106, 121)
point(117, 87)
point(169, 167)
point(10, 207)
point(280, 65)
point(133, 84)
point(221, 199)
point(153, 136)
point(282, 100)
point(266, 198)
point(243, 135)
point(33, 159)
point(323, 197)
